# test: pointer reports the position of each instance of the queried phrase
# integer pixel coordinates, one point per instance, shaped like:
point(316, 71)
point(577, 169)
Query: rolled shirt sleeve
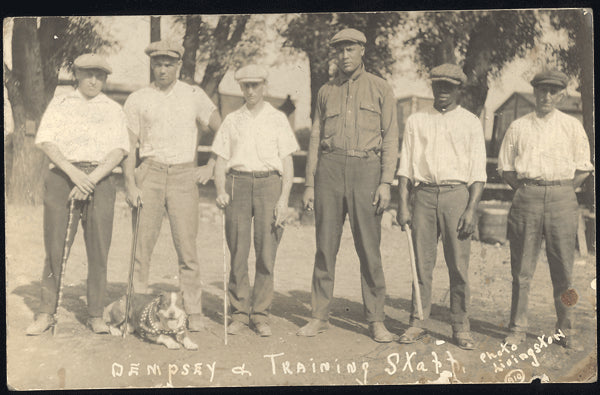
point(51, 124)
point(286, 139)
point(389, 146)
point(406, 162)
point(582, 149)
point(508, 151)
point(205, 107)
point(222, 142)
point(478, 154)
point(132, 115)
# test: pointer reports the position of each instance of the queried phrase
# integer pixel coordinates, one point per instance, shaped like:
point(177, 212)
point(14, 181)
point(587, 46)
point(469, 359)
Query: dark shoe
point(379, 333)
point(236, 327)
point(196, 322)
point(97, 325)
point(515, 338)
point(42, 322)
point(570, 343)
point(412, 335)
point(313, 328)
point(464, 340)
point(263, 329)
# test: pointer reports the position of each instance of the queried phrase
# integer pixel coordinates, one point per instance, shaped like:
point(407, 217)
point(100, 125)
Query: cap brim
point(170, 54)
point(346, 40)
point(107, 71)
point(251, 80)
point(450, 80)
point(549, 82)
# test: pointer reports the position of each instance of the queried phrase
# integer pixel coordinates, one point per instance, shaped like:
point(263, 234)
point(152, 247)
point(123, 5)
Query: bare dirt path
point(345, 355)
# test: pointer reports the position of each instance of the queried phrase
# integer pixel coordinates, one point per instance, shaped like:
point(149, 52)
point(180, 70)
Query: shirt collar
point(341, 77)
point(100, 97)
point(266, 108)
point(175, 86)
point(436, 111)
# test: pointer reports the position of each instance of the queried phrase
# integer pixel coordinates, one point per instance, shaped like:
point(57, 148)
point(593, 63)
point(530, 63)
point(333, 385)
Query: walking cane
point(224, 279)
point(138, 210)
point(65, 256)
point(413, 269)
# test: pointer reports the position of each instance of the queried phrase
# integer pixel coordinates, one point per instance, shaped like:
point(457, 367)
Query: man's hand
point(466, 224)
point(308, 199)
point(404, 217)
point(78, 194)
point(82, 180)
point(203, 174)
point(222, 200)
point(382, 198)
point(134, 194)
point(280, 213)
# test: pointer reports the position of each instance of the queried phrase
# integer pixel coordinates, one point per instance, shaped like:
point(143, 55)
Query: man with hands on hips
point(253, 176)
point(443, 159)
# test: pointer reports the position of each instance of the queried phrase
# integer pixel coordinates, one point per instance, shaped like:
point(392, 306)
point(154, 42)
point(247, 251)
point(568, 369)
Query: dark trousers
point(97, 221)
point(549, 212)
point(436, 212)
point(347, 185)
point(252, 198)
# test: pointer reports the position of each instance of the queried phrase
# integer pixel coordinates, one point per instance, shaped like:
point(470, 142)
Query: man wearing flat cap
point(544, 157)
point(253, 176)
point(350, 166)
point(162, 118)
point(442, 172)
point(84, 135)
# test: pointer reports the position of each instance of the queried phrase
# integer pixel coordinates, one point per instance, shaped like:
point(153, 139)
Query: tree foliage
point(40, 47)
point(310, 35)
point(483, 42)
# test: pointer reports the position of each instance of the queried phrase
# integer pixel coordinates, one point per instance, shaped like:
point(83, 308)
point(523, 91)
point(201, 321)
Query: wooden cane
point(138, 211)
point(413, 269)
point(65, 256)
point(224, 279)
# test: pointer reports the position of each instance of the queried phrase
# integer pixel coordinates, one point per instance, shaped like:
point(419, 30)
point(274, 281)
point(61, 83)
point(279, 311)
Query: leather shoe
point(42, 322)
point(235, 327)
point(196, 322)
point(412, 335)
point(263, 329)
point(515, 338)
point(570, 343)
point(464, 340)
point(313, 328)
point(379, 333)
point(97, 325)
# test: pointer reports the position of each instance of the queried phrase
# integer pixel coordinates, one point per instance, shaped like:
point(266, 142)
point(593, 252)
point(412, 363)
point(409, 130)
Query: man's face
point(164, 69)
point(445, 94)
point(90, 81)
point(349, 56)
point(254, 92)
point(547, 97)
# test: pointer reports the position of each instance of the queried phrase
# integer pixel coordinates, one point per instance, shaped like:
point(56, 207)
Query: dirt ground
point(345, 355)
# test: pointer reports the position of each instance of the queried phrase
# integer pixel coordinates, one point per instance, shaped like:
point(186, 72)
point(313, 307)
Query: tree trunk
point(27, 95)
point(226, 36)
point(477, 68)
point(191, 43)
point(444, 51)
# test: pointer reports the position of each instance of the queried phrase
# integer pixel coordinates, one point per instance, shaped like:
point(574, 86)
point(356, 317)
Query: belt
point(443, 184)
point(254, 174)
point(86, 167)
point(160, 165)
point(544, 183)
point(352, 152)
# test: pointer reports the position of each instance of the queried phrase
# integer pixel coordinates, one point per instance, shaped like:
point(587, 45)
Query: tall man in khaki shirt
point(350, 167)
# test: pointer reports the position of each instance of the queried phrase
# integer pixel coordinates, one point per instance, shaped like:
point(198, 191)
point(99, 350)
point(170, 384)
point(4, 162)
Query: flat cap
point(251, 73)
point(92, 61)
point(351, 35)
point(551, 77)
point(164, 48)
point(448, 72)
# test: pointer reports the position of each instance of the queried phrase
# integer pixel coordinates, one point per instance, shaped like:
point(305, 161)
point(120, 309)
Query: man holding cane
point(84, 135)
point(443, 158)
point(162, 118)
point(253, 176)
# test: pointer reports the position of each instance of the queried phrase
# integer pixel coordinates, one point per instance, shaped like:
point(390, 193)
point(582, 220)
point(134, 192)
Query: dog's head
point(170, 310)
